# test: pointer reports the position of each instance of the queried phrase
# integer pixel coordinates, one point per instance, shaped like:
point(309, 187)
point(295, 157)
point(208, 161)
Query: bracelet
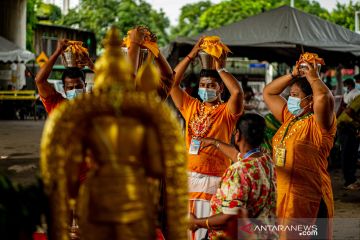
point(190, 58)
point(217, 144)
point(222, 70)
point(207, 223)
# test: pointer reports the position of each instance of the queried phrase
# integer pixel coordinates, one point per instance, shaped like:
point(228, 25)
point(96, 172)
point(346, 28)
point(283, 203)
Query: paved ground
point(19, 159)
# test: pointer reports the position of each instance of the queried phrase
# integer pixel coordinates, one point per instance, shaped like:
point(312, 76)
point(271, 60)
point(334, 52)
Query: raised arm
point(236, 100)
point(322, 97)
point(44, 87)
point(176, 92)
point(89, 63)
point(136, 39)
point(339, 83)
point(167, 78)
point(272, 92)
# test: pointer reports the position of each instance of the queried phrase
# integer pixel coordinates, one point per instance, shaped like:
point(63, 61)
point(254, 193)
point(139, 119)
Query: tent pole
point(292, 3)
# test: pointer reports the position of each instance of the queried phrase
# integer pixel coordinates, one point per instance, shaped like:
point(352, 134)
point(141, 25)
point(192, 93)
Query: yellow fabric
point(152, 46)
point(76, 47)
point(210, 160)
point(345, 118)
point(214, 47)
point(304, 179)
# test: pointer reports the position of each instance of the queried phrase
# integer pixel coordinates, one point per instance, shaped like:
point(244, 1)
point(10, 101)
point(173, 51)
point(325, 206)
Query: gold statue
point(134, 140)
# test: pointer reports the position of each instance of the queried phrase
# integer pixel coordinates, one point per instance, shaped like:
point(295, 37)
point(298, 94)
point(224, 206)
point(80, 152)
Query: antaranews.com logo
point(293, 229)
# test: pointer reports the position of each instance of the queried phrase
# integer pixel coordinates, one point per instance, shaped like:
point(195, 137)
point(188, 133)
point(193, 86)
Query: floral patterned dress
point(249, 183)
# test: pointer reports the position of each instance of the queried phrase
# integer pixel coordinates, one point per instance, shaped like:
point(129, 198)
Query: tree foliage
point(189, 18)
point(48, 13)
point(37, 11)
point(31, 21)
point(99, 15)
point(230, 11)
point(344, 14)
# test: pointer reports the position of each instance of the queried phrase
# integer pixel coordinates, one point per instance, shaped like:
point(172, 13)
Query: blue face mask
point(71, 94)
point(207, 94)
point(357, 86)
point(293, 104)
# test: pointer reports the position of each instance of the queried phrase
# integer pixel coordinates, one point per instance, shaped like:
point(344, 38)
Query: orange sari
point(304, 180)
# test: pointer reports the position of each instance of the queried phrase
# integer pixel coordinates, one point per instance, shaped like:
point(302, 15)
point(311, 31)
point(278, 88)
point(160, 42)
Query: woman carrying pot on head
point(207, 118)
point(301, 147)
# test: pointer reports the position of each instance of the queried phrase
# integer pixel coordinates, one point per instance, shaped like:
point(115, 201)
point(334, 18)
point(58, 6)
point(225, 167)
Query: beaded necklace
point(297, 122)
point(202, 121)
point(280, 148)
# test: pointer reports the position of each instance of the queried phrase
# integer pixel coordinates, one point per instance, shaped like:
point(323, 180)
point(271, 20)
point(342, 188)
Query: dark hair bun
point(252, 128)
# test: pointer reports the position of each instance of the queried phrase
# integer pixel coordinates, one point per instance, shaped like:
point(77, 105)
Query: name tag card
point(280, 156)
point(194, 146)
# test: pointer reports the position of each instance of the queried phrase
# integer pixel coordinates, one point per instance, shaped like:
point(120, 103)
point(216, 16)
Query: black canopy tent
point(280, 35)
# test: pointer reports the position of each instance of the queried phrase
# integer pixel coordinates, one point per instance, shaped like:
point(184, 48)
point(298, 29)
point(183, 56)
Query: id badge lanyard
point(251, 152)
point(280, 151)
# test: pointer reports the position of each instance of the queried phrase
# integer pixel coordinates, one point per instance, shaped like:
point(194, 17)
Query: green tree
point(344, 14)
point(48, 13)
point(230, 11)
point(99, 15)
point(31, 21)
point(189, 19)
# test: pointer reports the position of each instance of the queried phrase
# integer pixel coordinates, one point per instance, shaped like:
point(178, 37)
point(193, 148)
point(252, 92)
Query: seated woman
point(249, 183)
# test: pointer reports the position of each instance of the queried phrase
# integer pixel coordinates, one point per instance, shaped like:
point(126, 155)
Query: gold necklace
point(298, 124)
point(202, 121)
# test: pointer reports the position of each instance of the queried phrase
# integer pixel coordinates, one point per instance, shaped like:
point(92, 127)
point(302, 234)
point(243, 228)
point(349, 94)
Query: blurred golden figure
point(134, 141)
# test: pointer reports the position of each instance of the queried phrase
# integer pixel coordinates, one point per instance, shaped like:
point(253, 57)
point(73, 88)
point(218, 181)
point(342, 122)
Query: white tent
point(12, 63)
point(10, 52)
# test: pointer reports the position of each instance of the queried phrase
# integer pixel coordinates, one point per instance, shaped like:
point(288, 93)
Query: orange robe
point(51, 102)
point(210, 160)
point(304, 180)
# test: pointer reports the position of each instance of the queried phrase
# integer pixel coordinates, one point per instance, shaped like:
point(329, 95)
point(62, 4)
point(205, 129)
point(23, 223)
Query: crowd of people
point(240, 179)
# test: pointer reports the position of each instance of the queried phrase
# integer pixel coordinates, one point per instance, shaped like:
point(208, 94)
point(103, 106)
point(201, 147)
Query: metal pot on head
point(143, 54)
point(303, 67)
point(206, 60)
point(70, 60)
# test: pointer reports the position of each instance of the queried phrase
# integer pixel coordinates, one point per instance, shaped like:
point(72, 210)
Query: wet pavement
point(19, 159)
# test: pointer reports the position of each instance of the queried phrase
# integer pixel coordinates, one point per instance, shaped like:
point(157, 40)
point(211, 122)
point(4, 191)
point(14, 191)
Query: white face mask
point(71, 94)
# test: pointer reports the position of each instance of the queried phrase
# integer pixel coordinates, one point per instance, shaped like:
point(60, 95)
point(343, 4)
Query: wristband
point(222, 70)
point(190, 58)
point(207, 223)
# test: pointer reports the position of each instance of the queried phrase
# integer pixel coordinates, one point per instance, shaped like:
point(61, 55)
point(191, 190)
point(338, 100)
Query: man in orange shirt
point(210, 118)
point(73, 80)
